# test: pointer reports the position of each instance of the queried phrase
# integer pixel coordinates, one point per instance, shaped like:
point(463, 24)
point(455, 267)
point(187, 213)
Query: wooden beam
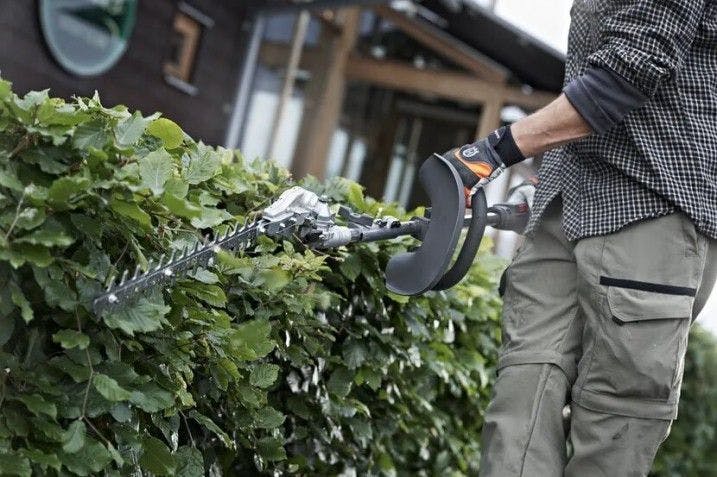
point(325, 97)
point(405, 77)
point(445, 45)
point(445, 84)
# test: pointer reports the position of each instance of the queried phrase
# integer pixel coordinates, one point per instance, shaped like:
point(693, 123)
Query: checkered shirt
point(663, 156)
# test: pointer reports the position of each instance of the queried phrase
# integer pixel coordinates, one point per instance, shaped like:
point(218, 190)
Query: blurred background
point(365, 89)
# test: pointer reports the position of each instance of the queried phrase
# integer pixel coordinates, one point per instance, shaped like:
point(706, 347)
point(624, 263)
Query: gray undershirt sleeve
point(603, 98)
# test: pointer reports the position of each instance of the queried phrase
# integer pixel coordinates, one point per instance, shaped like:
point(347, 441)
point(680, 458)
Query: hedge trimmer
point(303, 214)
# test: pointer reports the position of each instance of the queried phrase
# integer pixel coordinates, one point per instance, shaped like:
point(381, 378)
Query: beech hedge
point(277, 360)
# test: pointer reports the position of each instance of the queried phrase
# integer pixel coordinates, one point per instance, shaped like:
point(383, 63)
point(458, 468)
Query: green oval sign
point(87, 37)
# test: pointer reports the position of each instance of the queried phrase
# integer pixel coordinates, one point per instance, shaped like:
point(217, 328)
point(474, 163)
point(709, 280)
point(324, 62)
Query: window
point(189, 24)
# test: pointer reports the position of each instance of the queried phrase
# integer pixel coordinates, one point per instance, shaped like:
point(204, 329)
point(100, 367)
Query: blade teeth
point(172, 256)
point(150, 264)
point(137, 269)
point(124, 277)
point(161, 260)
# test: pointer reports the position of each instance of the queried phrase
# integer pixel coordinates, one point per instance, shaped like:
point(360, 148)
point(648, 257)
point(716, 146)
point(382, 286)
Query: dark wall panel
point(137, 80)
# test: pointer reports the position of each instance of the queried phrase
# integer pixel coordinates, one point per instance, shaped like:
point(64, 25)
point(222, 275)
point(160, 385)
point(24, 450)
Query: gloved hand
point(523, 193)
point(484, 160)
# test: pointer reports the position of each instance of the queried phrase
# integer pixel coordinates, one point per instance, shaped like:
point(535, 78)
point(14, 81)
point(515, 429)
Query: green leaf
point(52, 281)
point(74, 437)
point(90, 134)
point(168, 131)
point(8, 180)
point(7, 326)
point(14, 464)
point(181, 207)
point(351, 267)
point(201, 165)
point(155, 169)
point(251, 340)
point(271, 449)
point(128, 131)
point(211, 294)
point(133, 211)
point(89, 460)
point(42, 459)
point(143, 317)
point(29, 218)
point(354, 353)
point(22, 253)
point(71, 339)
point(340, 382)
point(264, 375)
point(210, 218)
point(190, 462)
point(209, 424)
point(49, 159)
point(5, 89)
point(156, 457)
point(65, 188)
point(275, 279)
point(268, 418)
point(109, 388)
point(151, 398)
point(18, 298)
point(38, 405)
point(204, 276)
point(51, 234)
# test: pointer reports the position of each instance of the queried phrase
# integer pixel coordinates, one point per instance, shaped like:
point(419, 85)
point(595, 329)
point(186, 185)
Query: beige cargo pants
point(600, 324)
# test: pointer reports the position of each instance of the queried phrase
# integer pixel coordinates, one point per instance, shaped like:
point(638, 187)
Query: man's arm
point(556, 124)
point(642, 44)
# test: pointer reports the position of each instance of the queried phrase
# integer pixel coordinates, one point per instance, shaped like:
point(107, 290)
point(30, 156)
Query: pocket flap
point(628, 305)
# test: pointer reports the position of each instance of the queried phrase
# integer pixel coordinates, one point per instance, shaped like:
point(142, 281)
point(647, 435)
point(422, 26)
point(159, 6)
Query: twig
point(89, 364)
point(22, 144)
point(99, 434)
point(17, 215)
point(189, 431)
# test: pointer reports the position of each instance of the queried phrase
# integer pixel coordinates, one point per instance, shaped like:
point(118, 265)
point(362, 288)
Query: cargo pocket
point(636, 368)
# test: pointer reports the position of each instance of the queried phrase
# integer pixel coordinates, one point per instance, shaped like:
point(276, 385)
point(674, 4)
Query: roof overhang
point(530, 60)
point(274, 6)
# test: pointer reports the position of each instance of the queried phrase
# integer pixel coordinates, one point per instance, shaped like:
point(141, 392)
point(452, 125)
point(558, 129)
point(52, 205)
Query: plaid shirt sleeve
point(646, 41)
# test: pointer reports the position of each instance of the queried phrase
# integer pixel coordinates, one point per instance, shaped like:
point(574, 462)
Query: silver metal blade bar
point(167, 273)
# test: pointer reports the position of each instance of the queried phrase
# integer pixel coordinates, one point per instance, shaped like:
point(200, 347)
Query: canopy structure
point(530, 61)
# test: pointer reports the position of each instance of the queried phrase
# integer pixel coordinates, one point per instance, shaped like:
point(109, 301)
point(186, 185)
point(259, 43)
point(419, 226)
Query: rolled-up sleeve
point(646, 41)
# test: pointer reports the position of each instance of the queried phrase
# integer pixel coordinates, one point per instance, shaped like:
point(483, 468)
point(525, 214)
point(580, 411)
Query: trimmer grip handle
point(471, 244)
point(512, 217)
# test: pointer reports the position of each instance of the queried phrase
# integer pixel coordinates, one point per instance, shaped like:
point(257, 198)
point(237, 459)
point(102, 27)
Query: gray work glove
point(523, 193)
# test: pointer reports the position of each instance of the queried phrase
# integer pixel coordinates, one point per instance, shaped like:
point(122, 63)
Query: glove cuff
point(504, 145)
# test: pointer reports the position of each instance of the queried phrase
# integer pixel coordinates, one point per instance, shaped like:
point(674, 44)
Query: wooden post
point(489, 117)
point(324, 98)
point(297, 44)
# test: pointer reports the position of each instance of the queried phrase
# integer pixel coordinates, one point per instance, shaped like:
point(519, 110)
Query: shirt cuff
point(603, 98)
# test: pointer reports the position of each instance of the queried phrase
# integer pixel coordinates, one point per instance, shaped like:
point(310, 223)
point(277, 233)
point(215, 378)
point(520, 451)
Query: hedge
point(278, 360)
point(691, 449)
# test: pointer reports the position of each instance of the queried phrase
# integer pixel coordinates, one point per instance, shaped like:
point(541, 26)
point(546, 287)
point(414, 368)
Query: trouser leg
point(609, 445)
point(524, 432)
point(636, 289)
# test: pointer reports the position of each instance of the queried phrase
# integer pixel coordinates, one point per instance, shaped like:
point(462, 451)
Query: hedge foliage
point(278, 360)
point(691, 449)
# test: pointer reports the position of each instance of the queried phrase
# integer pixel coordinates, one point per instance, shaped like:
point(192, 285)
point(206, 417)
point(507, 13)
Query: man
point(599, 299)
